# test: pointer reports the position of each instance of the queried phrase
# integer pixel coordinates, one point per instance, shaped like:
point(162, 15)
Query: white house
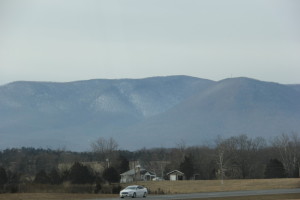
point(137, 174)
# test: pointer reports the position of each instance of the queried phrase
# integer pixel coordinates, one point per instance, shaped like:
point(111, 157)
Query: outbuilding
point(175, 175)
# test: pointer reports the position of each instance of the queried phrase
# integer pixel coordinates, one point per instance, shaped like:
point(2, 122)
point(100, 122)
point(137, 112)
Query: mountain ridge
point(150, 112)
point(212, 113)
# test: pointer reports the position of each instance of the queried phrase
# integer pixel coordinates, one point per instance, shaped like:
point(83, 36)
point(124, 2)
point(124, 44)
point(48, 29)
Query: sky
point(68, 40)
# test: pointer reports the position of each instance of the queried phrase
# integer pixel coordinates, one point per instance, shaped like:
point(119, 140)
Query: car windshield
point(131, 187)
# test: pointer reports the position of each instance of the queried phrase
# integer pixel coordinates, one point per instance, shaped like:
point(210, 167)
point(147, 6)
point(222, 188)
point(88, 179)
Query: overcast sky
point(67, 40)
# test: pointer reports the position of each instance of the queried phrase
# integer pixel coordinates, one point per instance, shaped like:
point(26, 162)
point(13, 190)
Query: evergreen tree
point(80, 174)
point(3, 176)
point(187, 167)
point(275, 169)
point(55, 177)
point(111, 175)
point(42, 177)
point(124, 164)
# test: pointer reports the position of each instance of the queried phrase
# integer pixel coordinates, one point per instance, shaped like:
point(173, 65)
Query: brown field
point(53, 196)
point(173, 187)
point(260, 197)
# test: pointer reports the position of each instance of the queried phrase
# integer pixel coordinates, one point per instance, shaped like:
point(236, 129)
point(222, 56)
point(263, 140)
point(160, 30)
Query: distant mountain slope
point(72, 114)
point(229, 107)
point(295, 86)
point(150, 112)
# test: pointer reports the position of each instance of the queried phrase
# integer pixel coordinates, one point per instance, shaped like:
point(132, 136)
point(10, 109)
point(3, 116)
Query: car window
point(131, 187)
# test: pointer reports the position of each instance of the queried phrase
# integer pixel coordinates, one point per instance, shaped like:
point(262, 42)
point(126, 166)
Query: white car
point(134, 191)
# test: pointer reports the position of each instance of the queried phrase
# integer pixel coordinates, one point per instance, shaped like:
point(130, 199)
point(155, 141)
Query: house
point(137, 174)
point(175, 175)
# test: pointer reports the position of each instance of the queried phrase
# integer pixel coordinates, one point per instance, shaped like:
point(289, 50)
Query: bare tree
point(288, 146)
point(247, 158)
point(238, 155)
point(220, 149)
point(181, 146)
point(157, 161)
point(106, 148)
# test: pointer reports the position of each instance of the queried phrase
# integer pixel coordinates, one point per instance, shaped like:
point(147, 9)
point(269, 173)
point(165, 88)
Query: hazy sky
point(66, 40)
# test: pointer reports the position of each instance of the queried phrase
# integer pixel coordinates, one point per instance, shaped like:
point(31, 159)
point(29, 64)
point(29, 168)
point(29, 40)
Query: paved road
point(218, 194)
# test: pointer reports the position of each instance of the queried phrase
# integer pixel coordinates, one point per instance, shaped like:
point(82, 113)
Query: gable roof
point(175, 171)
point(133, 172)
point(151, 173)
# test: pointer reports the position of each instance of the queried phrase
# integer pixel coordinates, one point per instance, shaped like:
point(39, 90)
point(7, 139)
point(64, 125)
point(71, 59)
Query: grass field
point(173, 187)
point(53, 196)
point(260, 197)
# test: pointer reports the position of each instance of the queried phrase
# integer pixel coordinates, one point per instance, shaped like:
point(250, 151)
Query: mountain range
point(150, 112)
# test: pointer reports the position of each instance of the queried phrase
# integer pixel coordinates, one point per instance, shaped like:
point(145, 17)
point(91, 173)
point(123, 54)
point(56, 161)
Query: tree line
point(236, 157)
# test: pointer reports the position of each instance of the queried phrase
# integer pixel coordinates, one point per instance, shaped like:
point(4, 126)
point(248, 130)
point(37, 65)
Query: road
point(218, 194)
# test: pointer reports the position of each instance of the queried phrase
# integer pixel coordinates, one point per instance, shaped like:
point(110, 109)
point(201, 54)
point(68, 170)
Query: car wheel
point(134, 195)
point(145, 195)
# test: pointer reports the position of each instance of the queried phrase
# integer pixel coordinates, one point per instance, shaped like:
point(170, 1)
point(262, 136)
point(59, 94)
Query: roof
point(175, 171)
point(130, 172)
point(151, 173)
point(133, 172)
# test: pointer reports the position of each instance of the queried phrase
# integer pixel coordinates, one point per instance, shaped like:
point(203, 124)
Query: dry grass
point(53, 196)
point(260, 197)
point(174, 187)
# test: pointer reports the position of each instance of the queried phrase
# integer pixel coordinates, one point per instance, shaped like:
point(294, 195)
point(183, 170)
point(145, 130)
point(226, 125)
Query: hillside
point(74, 114)
point(229, 107)
point(151, 112)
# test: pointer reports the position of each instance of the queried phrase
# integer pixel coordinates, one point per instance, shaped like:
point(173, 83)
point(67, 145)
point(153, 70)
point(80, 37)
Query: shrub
point(11, 188)
point(116, 189)
point(98, 188)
